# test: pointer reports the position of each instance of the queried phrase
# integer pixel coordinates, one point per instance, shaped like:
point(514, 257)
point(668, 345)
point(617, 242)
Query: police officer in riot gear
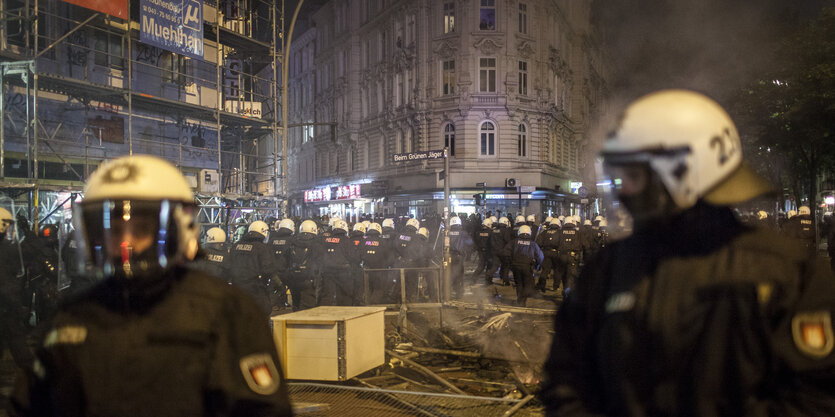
point(549, 242)
point(304, 258)
point(713, 319)
point(357, 237)
point(280, 240)
point(253, 265)
point(339, 255)
point(460, 244)
point(569, 250)
point(152, 338)
point(525, 256)
point(499, 238)
point(409, 251)
point(802, 228)
point(375, 254)
point(482, 243)
point(215, 259)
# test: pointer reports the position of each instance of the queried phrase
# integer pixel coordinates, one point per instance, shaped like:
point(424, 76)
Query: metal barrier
point(437, 271)
point(311, 399)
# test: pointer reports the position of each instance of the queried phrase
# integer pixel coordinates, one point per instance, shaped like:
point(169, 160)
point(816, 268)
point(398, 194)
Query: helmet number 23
point(726, 145)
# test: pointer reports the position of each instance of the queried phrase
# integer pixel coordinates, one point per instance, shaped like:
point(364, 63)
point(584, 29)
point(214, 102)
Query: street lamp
point(285, 68)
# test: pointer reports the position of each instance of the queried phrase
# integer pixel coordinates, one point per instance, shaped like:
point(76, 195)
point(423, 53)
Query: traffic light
point(477, 198)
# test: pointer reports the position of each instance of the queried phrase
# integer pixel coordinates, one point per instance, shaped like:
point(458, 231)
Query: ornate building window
point(523, 78)
point(448, 77)
point(522, 140)
point(487, 136)
point(523, 18)
point(487, 15)
point(487, 75)
point(449, 17)
point(449, 138)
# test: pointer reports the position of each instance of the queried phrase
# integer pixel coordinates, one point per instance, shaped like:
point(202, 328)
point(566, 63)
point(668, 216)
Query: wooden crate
point(330, 343)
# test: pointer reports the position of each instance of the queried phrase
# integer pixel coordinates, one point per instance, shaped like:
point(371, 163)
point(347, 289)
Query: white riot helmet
point(561, 218)
point(576, 219)
point(366, 223)
point(803, 211)
point(689, 143)
point(603, 223)
point(6, 220)
point(374, 226)
point(569, 220)
point(505, 221)
point(791, 214)
point(285, 224)
point(423, 232)
point(548, 220)
point(360, 227)
point(414, 223)
point(762, 215)
point(555, 221)
point(531, 218)
point(332, 221)
point(215, 235)
point(519, 220)
point(137, 217)
point(598, 218)
point(587, 222)
point(341, 225)
point(488, 222)
point(494, 219)
point(260, 227)
point(455, 221)
point(388, 223)
point(309, 226)
point(524, 230)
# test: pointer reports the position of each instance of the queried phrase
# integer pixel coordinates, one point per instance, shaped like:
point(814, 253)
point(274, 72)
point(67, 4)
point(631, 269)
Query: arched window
point(522, 145)
point(449, 138)
point(398, 142)
point(487, 136)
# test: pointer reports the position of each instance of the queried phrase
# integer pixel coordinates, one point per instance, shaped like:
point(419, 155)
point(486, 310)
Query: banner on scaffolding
point(173, 25)
point(118, 8)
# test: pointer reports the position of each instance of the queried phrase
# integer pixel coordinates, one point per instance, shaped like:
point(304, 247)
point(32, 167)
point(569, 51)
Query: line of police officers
point(326, 265)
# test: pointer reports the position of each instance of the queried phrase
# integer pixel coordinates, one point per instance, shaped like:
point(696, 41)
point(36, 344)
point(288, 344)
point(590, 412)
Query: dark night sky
point(706, 45)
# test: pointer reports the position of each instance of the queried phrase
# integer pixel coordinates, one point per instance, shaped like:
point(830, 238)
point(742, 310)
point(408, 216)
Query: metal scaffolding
point(80, 88)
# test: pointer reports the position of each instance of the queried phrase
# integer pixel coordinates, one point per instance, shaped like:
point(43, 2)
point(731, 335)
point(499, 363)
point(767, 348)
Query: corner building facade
point(512, 87)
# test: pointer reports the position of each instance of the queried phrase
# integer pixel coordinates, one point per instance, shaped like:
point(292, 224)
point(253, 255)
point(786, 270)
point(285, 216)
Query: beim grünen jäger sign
point(173, 25)
point(418, 156)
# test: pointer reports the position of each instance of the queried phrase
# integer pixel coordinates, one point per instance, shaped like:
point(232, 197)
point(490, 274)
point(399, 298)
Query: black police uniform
point(570, 249)
point(213, 261)
point(525, 255)
point(460, 244)
point(253, 265)
point(305, 256)
point(375, 254)
point(802, 227)
point(280, 242)
point(482, 243)
point(180, 344)
point(357, 237)
point(717, 319)
point(499, 238)
point(339, 255)
point(13, 310)
point(409, 251)
point(549, 241)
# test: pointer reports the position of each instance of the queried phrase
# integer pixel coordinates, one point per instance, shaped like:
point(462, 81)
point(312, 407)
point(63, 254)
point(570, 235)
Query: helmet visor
point(129, 237)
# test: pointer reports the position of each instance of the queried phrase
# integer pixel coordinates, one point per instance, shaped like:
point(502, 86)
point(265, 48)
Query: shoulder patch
point(812, 332)
point(67, 335)
point(260, 373)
